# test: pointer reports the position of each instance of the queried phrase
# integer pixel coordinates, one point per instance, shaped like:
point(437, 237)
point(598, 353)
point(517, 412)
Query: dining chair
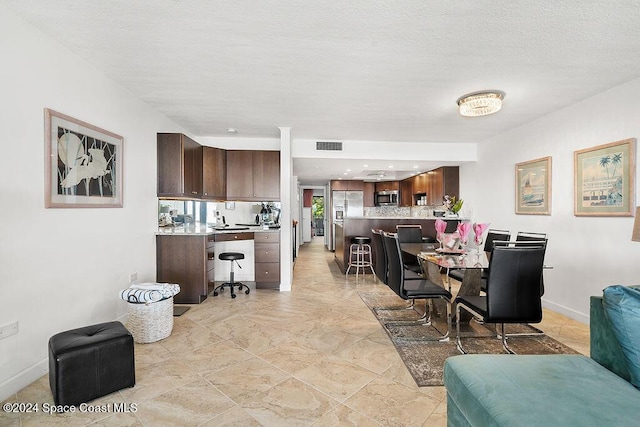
point(410, 233)
point(526, 236)
point(379, 255)
point(492, 235)
point(413, 289)
point(513, 289)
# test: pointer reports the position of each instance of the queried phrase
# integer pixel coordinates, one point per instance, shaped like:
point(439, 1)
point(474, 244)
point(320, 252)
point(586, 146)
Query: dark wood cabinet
point(214, 173)
point(187, 261)
point(267, 263)
point(347, 184)
point(443, 181)
point(387, 186)
point(253, 175)
point(406, 192)
point(369, 194)
point(179, 166)
point(420, 184)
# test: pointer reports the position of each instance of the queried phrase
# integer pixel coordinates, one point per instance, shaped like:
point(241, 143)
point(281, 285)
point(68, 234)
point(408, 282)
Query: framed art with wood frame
point(83, 164)
point(533, 187)
point(604, 179)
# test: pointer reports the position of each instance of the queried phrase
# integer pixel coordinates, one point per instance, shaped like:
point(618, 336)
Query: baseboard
point(23, 379)
point(571, 313)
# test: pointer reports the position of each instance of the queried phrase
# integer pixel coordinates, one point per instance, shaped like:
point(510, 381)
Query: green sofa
point(545, 390)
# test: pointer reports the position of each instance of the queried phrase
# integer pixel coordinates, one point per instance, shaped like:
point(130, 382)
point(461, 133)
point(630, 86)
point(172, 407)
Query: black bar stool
point(233, 257)
point(361, 248)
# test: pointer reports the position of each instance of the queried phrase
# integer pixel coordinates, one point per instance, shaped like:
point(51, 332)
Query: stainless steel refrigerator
point(345, 204)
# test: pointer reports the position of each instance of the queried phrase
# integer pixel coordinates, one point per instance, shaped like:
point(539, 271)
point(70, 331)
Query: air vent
point(328, 146)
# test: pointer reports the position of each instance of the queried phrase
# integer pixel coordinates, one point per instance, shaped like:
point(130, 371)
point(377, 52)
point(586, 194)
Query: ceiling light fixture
point(232, 130)
point(482, 103)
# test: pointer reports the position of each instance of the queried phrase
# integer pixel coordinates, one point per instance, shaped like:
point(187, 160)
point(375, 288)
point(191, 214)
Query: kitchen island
point(361, 226)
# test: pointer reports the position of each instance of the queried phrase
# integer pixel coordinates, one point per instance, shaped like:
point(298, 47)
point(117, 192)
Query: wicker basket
point(150, 322)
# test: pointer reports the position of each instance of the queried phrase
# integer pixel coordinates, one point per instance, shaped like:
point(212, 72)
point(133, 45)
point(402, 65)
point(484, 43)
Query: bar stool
point(361, 248)
point(233, 257)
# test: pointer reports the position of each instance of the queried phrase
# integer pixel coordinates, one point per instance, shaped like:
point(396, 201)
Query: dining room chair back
point(409, 233)
point(526, 236)
point(495, 235)
point(379, 255)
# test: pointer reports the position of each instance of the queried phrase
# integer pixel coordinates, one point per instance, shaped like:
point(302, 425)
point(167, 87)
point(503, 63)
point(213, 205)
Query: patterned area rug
point(424, 355)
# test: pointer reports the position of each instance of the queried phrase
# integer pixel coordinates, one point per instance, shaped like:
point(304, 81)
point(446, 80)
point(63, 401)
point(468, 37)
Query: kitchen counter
point(201, 229)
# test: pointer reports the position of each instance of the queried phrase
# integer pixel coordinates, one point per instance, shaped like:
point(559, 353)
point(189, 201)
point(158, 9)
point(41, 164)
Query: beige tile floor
point(313, 356)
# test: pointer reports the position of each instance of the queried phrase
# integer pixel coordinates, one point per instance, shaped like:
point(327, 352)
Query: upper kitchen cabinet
point(253, 175)
point(179, 166)
point(387, 186)
point(406, 192)
point(420, 184)
point(369, 194)
point(214, 173)
point(347, 185)
point(443, 181)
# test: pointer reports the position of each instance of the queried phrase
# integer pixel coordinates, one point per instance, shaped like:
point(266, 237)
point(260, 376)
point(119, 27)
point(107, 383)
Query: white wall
point(587, 253)
point(63, 268)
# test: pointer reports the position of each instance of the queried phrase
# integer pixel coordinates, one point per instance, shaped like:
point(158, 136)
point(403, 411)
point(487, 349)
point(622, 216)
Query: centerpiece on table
point(452, 205)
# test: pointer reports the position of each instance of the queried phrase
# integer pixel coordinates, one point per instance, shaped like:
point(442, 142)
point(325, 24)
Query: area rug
point(424, 355)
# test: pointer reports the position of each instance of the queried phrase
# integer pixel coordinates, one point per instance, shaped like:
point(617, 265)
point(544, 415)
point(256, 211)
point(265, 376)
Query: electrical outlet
point(8, 329)
point(133, 277)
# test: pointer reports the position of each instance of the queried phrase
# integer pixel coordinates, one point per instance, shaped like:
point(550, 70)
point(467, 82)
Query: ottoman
point(90, 362)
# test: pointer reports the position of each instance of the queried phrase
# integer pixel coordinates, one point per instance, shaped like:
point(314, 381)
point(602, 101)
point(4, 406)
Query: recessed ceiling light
point(344, 173)
point(348, 170)
point(365, 166)
point(232, 130)
point(415, 166)
point(390, 166)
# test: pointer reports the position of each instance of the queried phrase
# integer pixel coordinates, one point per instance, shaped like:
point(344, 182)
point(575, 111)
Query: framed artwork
point(533, 187)
point(604, 179)
point(83, 164)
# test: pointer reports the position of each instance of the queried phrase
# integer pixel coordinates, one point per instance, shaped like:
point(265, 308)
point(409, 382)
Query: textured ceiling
point(349, 70)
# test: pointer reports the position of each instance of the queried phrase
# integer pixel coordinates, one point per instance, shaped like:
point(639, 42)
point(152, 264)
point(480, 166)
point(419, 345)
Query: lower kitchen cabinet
point(267, 252)
point(187, 261)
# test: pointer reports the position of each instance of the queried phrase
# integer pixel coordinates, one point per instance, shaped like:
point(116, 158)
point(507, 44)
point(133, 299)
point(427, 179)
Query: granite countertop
point(408, 217)
point(202, 229)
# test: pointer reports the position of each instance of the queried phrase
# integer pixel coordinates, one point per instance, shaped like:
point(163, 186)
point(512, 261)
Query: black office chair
point(413, 289)
point(492, 235)
point(513, 289)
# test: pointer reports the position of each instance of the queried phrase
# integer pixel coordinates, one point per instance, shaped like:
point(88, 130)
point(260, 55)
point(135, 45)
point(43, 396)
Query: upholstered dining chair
point(413, 289)
point(410, 233)
point(492, 235)
point(379, 255)
point(513, 289)
point(526, 236)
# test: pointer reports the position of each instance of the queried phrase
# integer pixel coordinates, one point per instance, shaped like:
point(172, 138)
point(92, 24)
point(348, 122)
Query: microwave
point(386, 198)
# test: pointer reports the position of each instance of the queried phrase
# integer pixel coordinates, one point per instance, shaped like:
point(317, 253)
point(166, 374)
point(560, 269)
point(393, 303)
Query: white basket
point(150, 322)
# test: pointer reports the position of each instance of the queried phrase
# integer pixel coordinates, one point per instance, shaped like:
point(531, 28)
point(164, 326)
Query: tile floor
point(315, 356)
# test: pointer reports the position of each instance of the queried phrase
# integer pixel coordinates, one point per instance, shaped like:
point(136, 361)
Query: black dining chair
point(410, 233)
point(492, 236)
point(513, 289)
point(526, 236)
point(413, 289)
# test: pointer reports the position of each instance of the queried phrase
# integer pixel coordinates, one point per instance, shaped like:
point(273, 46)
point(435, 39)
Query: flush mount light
point(481, 103)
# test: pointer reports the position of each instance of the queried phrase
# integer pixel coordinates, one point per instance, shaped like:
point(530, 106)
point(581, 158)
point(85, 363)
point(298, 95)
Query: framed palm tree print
point(604, 179)
point(533, 187)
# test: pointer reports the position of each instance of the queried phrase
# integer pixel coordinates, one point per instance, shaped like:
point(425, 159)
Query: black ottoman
point(90, 362)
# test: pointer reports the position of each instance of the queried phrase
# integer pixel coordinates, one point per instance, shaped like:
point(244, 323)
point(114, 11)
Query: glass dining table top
point(467, 259)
